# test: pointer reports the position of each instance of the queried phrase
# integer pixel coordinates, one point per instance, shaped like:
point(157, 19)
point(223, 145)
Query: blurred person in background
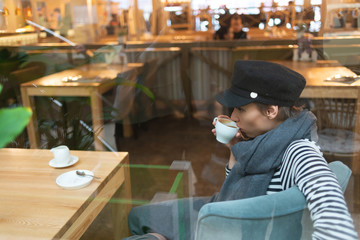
point(236, 27)
point(231, 30)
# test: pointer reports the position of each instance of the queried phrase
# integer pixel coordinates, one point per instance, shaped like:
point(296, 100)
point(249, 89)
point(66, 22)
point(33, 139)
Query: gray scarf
point(258, 159)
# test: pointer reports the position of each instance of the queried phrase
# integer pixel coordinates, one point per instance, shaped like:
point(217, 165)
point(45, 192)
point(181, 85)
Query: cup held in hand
point(226, 129)
point(61, 155)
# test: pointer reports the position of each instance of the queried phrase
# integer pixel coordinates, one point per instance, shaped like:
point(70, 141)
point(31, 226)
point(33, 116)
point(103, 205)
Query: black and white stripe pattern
point(303, 165)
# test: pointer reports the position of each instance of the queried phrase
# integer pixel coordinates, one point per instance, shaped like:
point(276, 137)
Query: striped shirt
point(304, 166)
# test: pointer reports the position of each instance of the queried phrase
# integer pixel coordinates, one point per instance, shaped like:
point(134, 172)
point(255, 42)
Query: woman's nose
point(234, 117)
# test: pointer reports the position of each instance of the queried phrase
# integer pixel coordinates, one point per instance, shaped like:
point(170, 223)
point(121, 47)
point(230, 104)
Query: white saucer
point(70, 180)
point(74, 159)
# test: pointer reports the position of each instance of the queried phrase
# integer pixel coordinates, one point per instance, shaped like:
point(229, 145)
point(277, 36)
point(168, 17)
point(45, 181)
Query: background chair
point(336, 124)
point(144, 107)
point(138, 107)
point(282, 215)
point(11, 88)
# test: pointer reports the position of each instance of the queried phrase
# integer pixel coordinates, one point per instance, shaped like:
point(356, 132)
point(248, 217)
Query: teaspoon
point(83, 174)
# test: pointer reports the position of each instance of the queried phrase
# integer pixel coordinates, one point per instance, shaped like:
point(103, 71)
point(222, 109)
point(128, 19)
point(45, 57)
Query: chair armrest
point(342, 173)
point(266, 206)
point(229, 219)
point(272, 205)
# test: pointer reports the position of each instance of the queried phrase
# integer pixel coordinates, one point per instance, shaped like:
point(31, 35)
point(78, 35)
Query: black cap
point(264, 82)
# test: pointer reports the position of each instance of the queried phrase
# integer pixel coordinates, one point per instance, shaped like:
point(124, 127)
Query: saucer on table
point(74, 159)
point(70, 180)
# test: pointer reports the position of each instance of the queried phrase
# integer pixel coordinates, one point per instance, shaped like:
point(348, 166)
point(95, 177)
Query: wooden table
point(52, 85)
point(33, 206)
point(316, 72)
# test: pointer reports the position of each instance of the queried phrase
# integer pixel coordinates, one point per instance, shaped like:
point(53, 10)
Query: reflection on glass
point(102, 83)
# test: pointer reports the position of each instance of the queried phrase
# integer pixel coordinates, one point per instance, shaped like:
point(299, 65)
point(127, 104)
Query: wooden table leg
point(356, 159)
point(356, 193)
point(186, 82)
point(127, 124)
point(121, 206)
point(97, 120)
point(32, 129)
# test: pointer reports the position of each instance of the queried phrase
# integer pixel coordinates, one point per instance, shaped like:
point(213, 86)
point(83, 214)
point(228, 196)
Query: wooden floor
point(159, 143)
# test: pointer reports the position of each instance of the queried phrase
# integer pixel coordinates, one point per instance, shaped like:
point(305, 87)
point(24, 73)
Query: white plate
point(70, 180)
point(74, 159)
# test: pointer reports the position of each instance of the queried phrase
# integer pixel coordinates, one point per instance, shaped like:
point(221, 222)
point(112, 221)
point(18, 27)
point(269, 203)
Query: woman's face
point(252, 122)
point(236, 24)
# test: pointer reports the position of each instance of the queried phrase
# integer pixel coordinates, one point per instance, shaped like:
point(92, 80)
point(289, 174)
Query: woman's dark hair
point(284, 112)
point(235, 15)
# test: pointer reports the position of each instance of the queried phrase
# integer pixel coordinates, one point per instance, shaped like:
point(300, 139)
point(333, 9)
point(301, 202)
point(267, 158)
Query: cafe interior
point(108, 105)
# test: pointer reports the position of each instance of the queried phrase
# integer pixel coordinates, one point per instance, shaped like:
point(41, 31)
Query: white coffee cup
point(61, 155)
point(226, 129)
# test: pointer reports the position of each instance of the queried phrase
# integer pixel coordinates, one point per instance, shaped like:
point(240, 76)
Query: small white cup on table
point(61, 155)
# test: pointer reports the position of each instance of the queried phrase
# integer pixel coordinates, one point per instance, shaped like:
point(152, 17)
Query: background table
point(52, 85)
point(33, 206)
point(316, 72)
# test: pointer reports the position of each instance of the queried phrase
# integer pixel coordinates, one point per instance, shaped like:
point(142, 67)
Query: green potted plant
point(122, 33)
point(12, 122)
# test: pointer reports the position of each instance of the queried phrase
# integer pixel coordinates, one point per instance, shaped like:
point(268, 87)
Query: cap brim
point(229, 99)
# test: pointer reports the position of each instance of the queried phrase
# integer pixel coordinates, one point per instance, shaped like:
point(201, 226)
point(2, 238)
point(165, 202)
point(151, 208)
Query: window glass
point(131, 88)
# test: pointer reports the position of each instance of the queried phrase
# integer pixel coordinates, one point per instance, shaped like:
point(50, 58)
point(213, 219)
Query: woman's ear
point(272, 111)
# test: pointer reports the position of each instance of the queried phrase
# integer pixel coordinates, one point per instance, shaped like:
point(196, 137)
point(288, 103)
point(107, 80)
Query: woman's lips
point(243, 135)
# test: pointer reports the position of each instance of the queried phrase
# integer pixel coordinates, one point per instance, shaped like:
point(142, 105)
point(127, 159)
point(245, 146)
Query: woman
point(273, 150)
point(232, 30)
point(236, 27)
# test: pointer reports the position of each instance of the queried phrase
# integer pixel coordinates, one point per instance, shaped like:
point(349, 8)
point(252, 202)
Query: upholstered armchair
point(277, 216)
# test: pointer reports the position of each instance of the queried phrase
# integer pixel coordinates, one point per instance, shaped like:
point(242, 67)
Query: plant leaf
point(146, 90)
point(13, 121)
point(1, 87)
